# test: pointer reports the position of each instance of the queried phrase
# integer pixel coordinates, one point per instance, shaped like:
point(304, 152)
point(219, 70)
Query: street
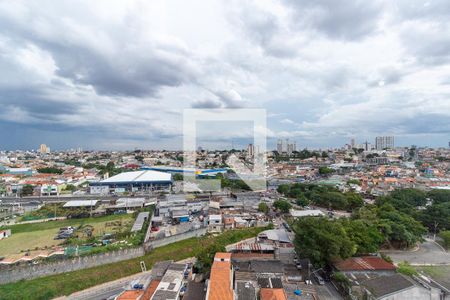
point(327, 292)
point(428, 253)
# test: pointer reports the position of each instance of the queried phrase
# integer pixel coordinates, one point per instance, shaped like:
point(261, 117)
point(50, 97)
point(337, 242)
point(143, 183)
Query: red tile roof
point(131, 295)
point(365, 263)
point(220, 280)
point(150, 289)
point(272, 294)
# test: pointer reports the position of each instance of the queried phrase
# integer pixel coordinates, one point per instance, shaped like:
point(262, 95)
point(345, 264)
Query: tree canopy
point(321, 195)
point(262, 207)
point(282, 205)
point(50, 170)
point(321, 240)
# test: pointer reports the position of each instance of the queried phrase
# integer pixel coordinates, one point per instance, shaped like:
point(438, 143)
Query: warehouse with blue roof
point(144, 180)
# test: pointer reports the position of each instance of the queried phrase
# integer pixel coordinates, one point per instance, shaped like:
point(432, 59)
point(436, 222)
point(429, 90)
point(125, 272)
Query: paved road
point(327, 292)
point(428, 253)
point(109, 289)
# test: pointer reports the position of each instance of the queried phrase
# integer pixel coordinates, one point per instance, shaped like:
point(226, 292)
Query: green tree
point(302, 200)
point(365, 235)
point(445, 236)
point(282, 205)
point(436, 216)
point(322, 240)
point(439, 196)
point(400, 229)
point(325, 171)
point(70, 187)
point(354, 181)
point(50, 170)
point(354, 201)
point(178, 177)
point(410, 197)
point(283, 189)
point(406, 269)
point(335, 200)
point(263, 207)
point(27, 190)
point(206, 254)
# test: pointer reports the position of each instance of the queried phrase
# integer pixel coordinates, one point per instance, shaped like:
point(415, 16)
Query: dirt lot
point(29, 240)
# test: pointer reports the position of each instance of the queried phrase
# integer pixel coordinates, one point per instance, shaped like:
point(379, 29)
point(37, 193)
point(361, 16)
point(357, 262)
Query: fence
point(16, 273)
point(175, 238)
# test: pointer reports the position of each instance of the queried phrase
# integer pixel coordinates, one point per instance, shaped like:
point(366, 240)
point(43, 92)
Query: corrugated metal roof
point(139, 176)
point(79, 203)
point(366, 263)
point(140, 221)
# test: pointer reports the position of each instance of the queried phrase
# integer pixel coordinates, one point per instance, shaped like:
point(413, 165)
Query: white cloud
point(320, 68)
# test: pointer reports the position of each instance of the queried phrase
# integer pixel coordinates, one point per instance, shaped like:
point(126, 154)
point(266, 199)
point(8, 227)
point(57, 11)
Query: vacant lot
point(40, 235)
point(67, 283)
point(28, 241)
point(62, 223)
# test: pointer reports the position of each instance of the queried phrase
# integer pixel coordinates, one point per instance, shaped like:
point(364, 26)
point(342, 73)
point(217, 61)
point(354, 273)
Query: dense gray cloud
point(338, 19)
point(207, 103)
point(117, 74)
point(115, 61)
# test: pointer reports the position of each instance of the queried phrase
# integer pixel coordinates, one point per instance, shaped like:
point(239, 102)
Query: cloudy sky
point(118, 74)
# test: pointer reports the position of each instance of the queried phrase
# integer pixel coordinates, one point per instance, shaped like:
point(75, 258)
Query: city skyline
point(116, 75)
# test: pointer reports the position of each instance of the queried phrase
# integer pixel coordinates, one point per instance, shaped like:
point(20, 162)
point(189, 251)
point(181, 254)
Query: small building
point(49, 190)
point(215, 223)
point(398, 287)
point(365, 264)
point(221, 280)
point(140, 220)
point(272, 294)
point(245, 290)
point(125, 204)
point(171, 283)
point(81, 204)
point(99, 189)
point(18, 171)
point(180, 215)
point(306, 213)
point(274, 236)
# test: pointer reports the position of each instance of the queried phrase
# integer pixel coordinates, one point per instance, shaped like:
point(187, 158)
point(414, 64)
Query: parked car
point(319, 279)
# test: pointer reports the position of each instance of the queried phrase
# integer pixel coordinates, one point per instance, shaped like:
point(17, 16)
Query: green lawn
point(29, 236)
point(67, 283)
point(439, 273)
point(61, 223)
point(28, 241)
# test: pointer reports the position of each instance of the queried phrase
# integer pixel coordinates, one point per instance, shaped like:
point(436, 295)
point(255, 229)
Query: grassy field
point(439, 273)
point(29, 236)
point(67, 283)
point(28, 241)
point(61, 223)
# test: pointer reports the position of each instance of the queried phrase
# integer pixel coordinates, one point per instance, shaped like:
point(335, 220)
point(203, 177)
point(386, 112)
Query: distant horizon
point(120, 75)
point(241, 147)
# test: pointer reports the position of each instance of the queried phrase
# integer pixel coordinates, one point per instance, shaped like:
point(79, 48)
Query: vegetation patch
point(67, 283)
